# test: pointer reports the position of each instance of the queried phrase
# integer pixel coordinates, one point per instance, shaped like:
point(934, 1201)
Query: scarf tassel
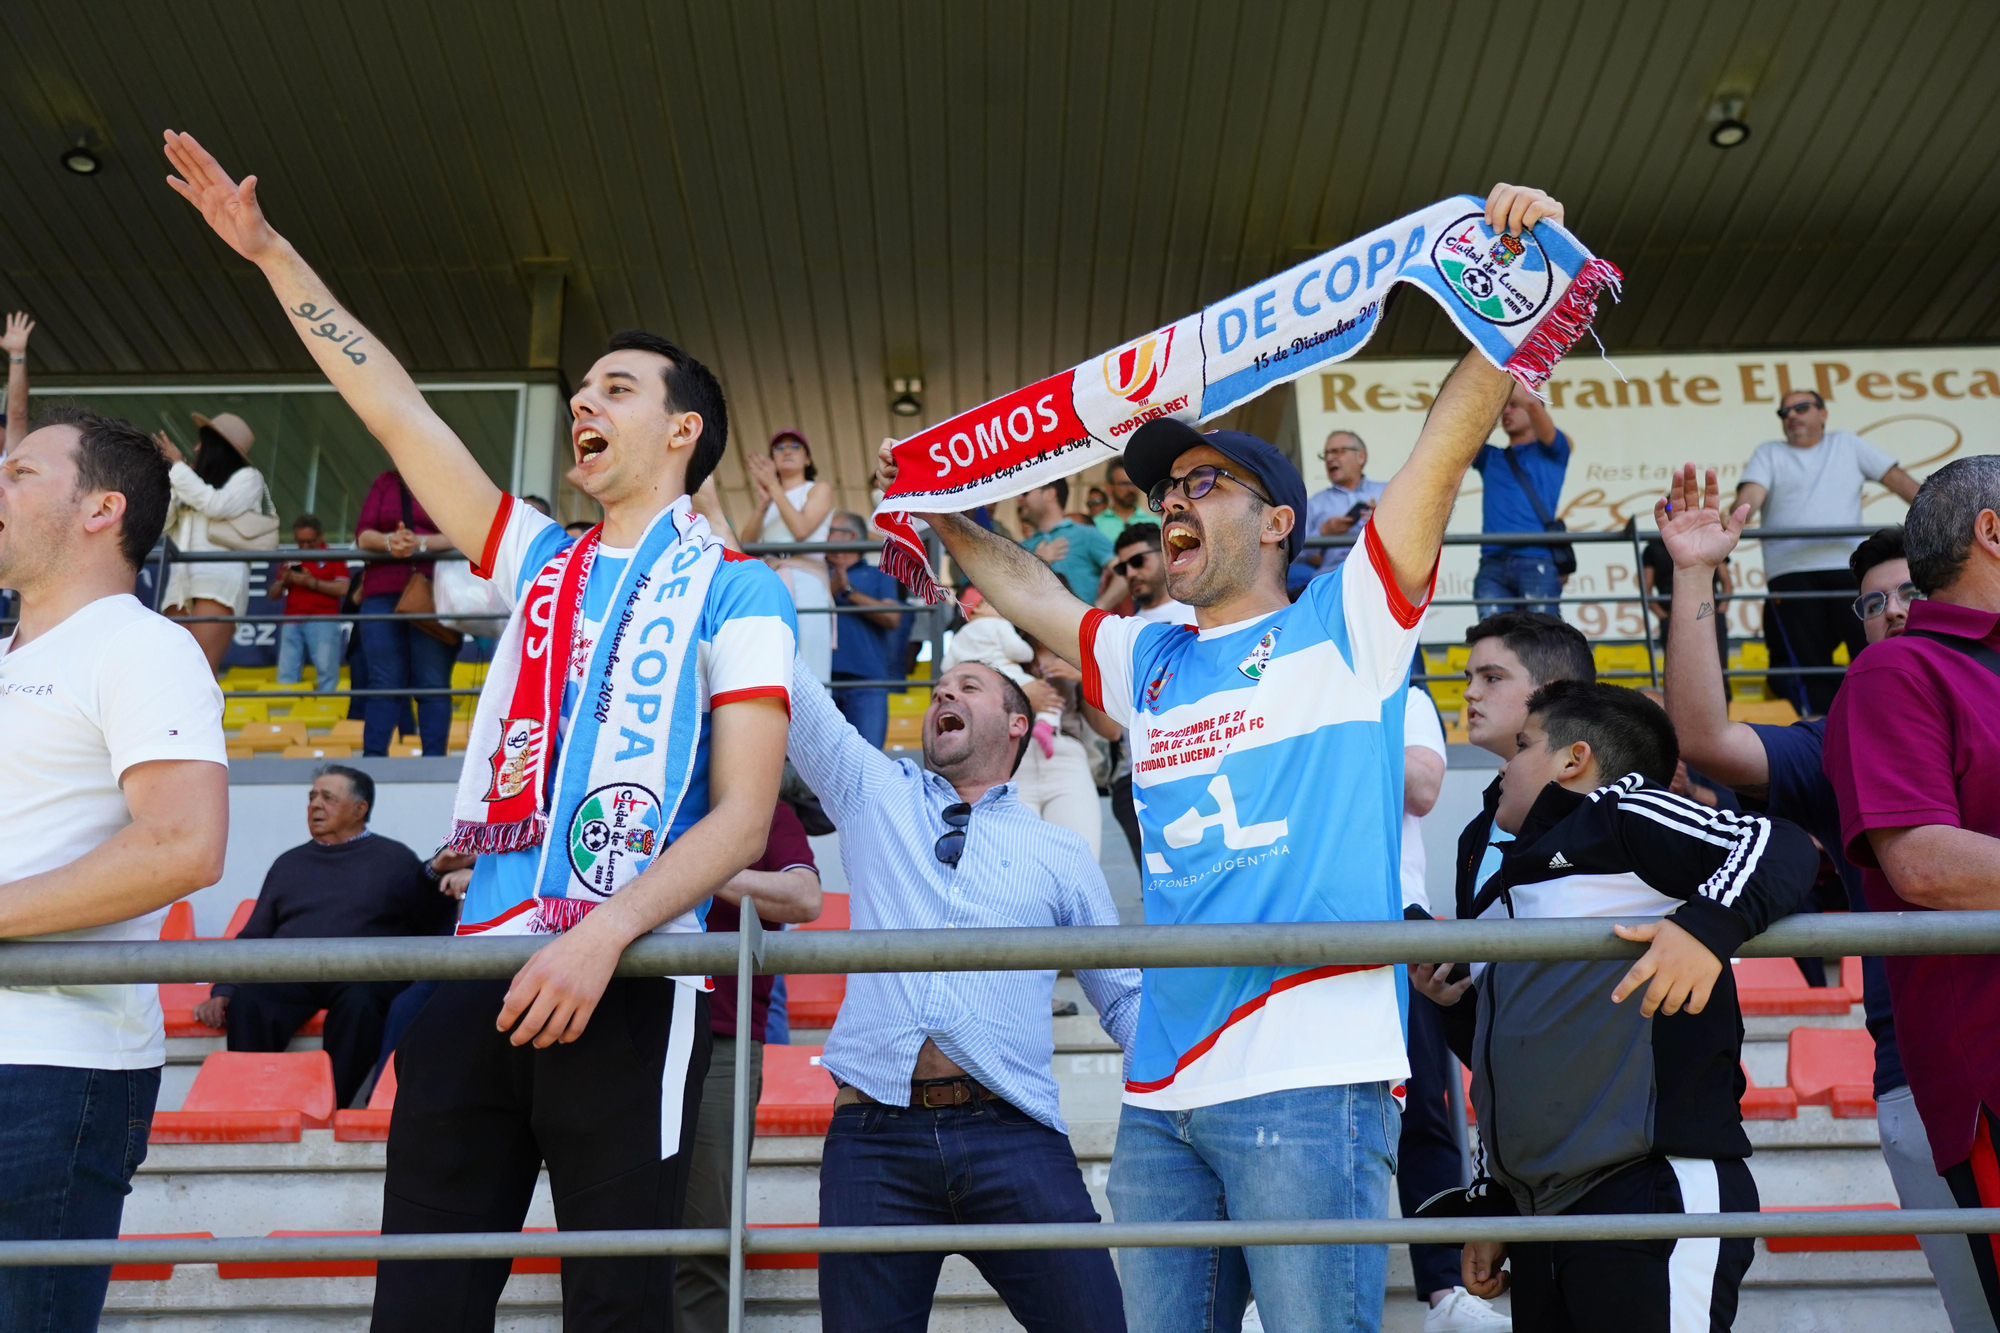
point(553, 916)
point(473, 838)
point(1535, 360)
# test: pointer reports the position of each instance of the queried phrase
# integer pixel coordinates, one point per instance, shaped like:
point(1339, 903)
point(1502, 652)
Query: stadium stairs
point(241, 1152)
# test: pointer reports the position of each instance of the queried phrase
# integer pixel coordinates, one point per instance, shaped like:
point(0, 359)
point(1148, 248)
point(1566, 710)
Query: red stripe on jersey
point(491, 551)
point(1243, 1011)
point(1093, 679)
point(1399, 606)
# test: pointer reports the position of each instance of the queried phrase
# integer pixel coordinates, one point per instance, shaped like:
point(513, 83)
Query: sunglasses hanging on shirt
point(951, 843)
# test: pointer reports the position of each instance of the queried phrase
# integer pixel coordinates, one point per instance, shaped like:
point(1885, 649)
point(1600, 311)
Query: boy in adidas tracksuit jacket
point(1591, 1098)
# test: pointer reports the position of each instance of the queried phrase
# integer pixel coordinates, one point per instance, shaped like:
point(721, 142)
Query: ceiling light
point(906, 403)
point(81, 161)
point(1725, 114)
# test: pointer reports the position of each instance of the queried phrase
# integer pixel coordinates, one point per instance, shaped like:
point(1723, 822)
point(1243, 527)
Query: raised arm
point(15, 342)
point(1898, 481)
point(1026, 591)
point(1699, 537)
point(441, 472)
point(1411, 516)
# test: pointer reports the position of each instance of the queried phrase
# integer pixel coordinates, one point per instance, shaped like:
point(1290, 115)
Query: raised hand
point(763, 474)
point(168, 449)
point(231, 209)
point(1515, 208)
point(1692, 524)
point(885, 463)
point(15, 340)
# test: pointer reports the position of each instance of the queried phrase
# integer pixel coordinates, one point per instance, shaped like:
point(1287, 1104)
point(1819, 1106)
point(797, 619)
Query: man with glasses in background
point(1783, 766)
point(948, 1110)
point(1812, 479)
point(1125, 507)
point(869, 644)
point(1345, 504)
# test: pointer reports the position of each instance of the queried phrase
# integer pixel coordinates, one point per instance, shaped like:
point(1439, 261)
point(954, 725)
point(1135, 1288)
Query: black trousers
point(1427, 1154)
point(1127, 814)
point(264, 1016)
point(1641, 1286)
point(1805, 633)
point(612, 1114)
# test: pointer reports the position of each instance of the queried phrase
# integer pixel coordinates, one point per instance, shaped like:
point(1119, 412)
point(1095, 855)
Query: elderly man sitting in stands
point(346, 881)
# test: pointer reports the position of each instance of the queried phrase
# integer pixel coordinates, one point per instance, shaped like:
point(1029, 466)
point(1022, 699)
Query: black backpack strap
point(1534, 497)
point(1972, 648)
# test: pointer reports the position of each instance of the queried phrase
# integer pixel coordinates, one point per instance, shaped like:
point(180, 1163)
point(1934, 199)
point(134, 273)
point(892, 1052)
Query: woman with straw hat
point(218, 505)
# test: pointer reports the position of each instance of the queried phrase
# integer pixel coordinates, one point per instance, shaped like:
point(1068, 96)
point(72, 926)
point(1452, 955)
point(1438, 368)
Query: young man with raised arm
point(114, 801)
point(1267, 748)
point(634, 653)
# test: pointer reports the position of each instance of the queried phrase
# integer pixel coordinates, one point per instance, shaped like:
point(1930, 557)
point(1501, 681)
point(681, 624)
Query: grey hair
point(853, 520)
point(1937, 535)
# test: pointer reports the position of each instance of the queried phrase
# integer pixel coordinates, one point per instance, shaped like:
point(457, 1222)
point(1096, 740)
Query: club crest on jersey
point(1260, 656)
point(513, 761)
point(1156, 687)
point(614, 835)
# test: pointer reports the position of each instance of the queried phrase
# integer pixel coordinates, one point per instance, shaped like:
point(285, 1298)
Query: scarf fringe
point(472, 838)
point(553, 916)
point(1535, 359)
point(904, 559)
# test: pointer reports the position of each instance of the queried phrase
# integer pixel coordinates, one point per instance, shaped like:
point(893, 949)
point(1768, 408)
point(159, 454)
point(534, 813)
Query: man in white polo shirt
point(114, 801)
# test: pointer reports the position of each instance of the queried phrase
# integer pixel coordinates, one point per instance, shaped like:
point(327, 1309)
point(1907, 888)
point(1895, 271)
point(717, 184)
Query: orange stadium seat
point(303, 1267)
point(241, 1097)
point(179, 922)
point(239, 918)
point(798, 1093)
point(1779, 1103)
point(154, 1272)
point(177, 1002)
point(808, 1260)
point(1811, 1244)
point(1775, 986)
point(814, 1000)
point(1833, 1067)
point(371, 1125)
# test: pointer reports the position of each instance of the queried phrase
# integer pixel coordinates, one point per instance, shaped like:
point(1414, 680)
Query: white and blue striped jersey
point(1268, 776)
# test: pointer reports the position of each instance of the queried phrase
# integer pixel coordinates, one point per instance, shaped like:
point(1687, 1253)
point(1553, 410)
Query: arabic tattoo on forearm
point(320, 323)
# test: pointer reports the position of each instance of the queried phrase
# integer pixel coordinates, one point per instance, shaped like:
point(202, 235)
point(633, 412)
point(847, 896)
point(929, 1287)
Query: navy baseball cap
point(1149, 459)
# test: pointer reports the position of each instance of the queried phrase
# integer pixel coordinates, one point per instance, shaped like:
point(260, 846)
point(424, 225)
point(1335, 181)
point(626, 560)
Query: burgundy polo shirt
point(1913, 739)
point(785, 848)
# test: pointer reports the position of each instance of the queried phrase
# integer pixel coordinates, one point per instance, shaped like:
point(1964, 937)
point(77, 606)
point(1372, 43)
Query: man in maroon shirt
point(312, 588)
point(1911, 746)
point(784, 884)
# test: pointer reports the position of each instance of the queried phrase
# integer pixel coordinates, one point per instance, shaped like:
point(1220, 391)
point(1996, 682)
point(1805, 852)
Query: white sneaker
point(1251, 1323)
point(1463, 1312)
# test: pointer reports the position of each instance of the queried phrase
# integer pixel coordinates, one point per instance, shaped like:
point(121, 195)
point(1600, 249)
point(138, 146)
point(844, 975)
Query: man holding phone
point(1345, 504)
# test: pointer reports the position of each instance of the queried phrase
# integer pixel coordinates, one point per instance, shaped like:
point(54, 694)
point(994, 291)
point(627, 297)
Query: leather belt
point(933, 1094)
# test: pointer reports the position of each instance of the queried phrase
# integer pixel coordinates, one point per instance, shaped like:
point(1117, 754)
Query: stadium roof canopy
point(818, 198)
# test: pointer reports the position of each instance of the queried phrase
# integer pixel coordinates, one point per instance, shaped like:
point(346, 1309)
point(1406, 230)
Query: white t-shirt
point(112, 686)
point(1818, 487)
point(1422, 729)
point(1169, 612)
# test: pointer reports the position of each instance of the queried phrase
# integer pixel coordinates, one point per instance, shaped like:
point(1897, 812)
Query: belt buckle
point(957, 1092)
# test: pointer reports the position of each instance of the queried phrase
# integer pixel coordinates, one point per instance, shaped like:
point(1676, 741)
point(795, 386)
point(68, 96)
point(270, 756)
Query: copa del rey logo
point(1131, 372)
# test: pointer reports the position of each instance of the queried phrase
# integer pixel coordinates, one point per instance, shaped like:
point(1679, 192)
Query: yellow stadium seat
point(347, 731)
point(461, 734)
point(905, 733)
point(318, 751)
point(402, 749)
point(242, 712)
point(1755, 655)
point(1457, 657)
point(272, 735)
point(318, 712)
point(1778, 712)
point(239, 751)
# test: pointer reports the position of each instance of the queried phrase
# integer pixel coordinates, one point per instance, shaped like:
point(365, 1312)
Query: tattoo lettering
point(325, 327)
point(1704, 611)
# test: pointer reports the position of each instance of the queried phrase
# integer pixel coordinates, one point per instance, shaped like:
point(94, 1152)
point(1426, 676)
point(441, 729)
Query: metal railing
point(752, 952)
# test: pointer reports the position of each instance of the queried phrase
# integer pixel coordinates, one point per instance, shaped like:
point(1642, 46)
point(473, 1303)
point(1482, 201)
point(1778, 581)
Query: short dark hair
point(364, 786)
point(1810, 393)
point(536, 503)
point(1138, 534)
point(114, 455)
point(1016, 700)
point(1117, 465)
point(310, 522)
point(691, 387)
point(1626, 731)
point(1937, 532)
point(1061, 487)
point(1550, 647)
point(1880, 547)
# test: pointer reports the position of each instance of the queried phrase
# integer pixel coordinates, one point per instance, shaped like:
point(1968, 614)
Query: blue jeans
point(1315, 1153)
point(70, 1140)
point(980, 1162)
point(321, 639)
point(867, 711)
point(1511, 574)
point(401, 656)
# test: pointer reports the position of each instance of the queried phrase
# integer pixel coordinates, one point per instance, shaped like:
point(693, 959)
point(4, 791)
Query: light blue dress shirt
point(1015, 870)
